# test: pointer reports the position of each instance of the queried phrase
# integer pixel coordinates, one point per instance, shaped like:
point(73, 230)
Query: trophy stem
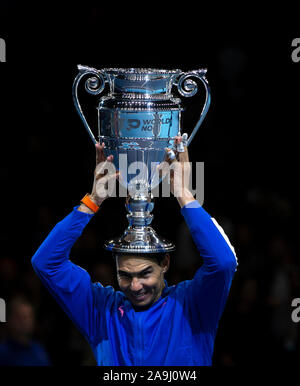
point(139, 237)
point(139, 209)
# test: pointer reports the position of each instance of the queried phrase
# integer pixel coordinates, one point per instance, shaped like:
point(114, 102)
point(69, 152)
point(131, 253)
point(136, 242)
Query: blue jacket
point(178, 329)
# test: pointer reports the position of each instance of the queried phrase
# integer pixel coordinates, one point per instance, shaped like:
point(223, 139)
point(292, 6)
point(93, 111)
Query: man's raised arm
point(70, 284)
point(208, 291)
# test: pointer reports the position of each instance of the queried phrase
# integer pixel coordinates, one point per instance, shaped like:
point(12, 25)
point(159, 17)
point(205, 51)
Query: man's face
point(141, 279)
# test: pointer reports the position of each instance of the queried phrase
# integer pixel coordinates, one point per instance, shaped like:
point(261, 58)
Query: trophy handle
point(188, 88)
point(93, 85)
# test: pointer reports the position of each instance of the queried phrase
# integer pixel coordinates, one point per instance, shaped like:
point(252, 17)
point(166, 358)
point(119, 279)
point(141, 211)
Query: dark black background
point(248, 141)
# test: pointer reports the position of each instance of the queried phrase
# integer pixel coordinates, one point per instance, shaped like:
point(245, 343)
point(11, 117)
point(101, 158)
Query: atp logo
point(2, 50)
point(149, 124)
point(2, 311)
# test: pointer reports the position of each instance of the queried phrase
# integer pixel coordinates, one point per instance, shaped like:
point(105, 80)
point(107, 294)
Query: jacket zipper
point(139, 342)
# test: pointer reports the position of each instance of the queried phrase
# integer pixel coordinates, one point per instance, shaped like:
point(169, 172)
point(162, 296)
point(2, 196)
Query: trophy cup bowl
point(138, 118)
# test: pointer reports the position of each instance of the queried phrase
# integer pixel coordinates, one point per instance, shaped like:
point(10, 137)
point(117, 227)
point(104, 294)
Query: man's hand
point(104, 174)
point(180, 171)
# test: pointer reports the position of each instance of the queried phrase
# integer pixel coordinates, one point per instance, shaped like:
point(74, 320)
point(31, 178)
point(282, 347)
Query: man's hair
point(157, 257)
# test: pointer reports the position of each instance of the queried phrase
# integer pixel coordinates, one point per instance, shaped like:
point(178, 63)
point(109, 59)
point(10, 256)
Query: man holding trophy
point(147, 322)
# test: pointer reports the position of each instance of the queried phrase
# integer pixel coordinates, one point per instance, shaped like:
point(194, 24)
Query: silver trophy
point(138, 117)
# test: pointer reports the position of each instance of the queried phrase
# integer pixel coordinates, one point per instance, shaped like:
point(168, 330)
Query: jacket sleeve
point(70, 284)
point(208, 290)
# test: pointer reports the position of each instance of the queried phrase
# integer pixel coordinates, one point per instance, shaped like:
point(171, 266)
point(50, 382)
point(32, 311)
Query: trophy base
point(139, 240)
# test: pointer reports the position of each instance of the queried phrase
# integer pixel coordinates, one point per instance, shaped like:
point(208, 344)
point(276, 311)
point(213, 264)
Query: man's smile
point(140, 296)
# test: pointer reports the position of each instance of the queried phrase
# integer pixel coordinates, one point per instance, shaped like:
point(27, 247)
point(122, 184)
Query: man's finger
point(105, 166)
point(100, 156)
point(184, 156)
point(105, 186)
point(170, 155)
point(179, 144)
point(109, 177)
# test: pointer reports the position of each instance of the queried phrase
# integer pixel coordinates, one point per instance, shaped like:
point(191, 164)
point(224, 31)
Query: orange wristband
point(89, 203)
